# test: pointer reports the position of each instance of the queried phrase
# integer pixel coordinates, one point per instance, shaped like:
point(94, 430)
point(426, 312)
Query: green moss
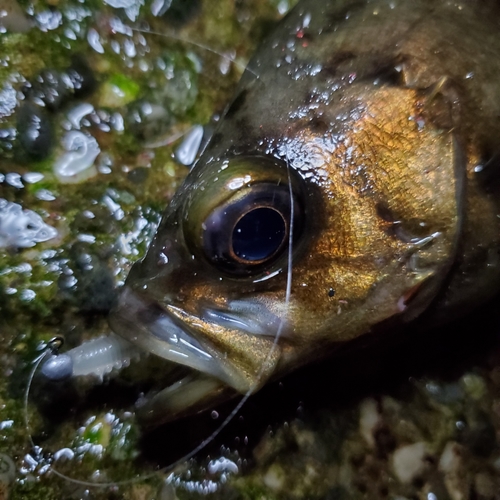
point(34, 491)
point(33, 51)
point(118, 91)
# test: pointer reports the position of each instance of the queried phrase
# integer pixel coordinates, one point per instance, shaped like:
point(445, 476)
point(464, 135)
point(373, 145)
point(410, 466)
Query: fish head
point(342, 218)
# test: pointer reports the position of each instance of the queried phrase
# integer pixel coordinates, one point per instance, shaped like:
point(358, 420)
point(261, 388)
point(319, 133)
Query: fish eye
point(258, 235)
point(244, 234)
point(242, 224)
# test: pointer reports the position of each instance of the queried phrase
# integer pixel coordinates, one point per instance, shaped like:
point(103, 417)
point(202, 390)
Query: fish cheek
point(391, 196)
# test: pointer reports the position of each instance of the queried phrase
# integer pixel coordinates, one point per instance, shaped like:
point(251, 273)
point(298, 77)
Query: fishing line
point(36, 363)
point(51, 349)
point(180, 38)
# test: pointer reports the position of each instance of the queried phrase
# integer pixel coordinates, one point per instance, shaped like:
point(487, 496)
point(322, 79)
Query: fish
point(350, 188)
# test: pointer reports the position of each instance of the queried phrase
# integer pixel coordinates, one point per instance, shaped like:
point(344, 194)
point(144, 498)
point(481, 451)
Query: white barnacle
point(22, 228)
point(76, 164)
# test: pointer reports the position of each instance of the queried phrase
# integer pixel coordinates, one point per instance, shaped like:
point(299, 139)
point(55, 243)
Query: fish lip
point(151, 327)
point(247, 316)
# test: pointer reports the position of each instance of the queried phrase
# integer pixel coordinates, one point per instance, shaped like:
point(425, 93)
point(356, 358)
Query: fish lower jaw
point(143, 327)
point(156, 330)
point(191, 394)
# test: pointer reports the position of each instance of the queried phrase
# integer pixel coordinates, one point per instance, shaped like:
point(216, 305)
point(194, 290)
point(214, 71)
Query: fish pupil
point(259, 234)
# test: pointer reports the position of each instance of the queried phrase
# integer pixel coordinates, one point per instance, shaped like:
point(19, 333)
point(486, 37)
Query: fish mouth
point(228, 351)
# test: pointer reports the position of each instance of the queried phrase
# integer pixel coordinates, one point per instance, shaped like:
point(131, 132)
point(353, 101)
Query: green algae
point(118, 91)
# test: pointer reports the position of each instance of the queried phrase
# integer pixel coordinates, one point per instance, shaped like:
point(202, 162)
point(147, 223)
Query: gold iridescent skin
point(381, 119)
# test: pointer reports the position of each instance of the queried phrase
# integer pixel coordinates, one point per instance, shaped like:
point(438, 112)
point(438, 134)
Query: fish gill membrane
point(416, 249)
point(105, 356)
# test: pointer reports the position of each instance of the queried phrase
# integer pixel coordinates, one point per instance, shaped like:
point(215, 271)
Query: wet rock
point(13, 18)
point(409, 462)
point(95, 287)
point(173, 88)
point(8, 104)
point(369, 420)
point(474, 385)
point(140, 492)
point(53, 88)
point(7, 475)
point(385, 440)
point(444, 393)
point(275, 478)
point(180, 91)
point(34, 128)
point(7, 469)
point(86, 279)
point(478, 434)
point(97, 220)
point(375, 430)
point(147, 119)
point(80, 78)
point(340, 493)
point(49, 89)
point(433, 488)
point(486, 486)
point(294, 462)
point(167, 492)
point(452, 465)
point(138, 175)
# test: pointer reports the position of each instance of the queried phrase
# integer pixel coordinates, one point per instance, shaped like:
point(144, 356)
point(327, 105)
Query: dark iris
point(248, 233)
point(258, 234)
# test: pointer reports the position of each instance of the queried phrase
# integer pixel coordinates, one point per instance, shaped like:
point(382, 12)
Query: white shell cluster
point(22, 228)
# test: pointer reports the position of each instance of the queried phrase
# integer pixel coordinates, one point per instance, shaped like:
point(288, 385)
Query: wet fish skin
point(383, 116)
